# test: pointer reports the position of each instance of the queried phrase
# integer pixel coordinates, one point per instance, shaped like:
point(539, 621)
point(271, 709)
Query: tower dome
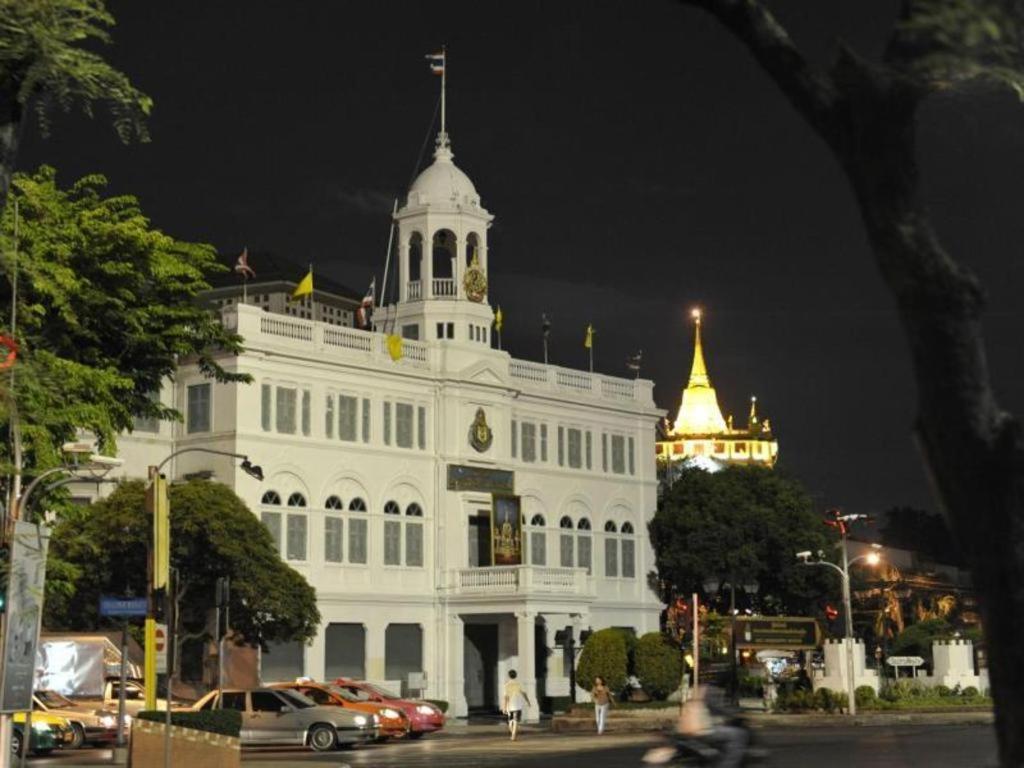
point(443, 183)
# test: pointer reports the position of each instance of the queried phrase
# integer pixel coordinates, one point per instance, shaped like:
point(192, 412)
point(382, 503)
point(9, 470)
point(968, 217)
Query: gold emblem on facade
point(480, 434)
point(475, 281)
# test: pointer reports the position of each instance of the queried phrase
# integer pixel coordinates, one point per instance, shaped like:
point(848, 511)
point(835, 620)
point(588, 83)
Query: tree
point(917, 639)
point(43, 64)
point(101, 550)
point(865, 111)
point(604, 654)
point(659, 665)
point(739, 524)
point(106, 306)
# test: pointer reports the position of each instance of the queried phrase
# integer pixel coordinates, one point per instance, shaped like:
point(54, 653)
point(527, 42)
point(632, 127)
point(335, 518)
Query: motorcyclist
point(706, 727)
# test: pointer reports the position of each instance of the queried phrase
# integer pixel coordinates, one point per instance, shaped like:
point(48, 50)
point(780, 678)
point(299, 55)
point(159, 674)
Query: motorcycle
point(704, 750)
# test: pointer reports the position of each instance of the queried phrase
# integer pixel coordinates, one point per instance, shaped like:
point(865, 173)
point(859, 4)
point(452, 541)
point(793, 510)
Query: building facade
point(453, 506)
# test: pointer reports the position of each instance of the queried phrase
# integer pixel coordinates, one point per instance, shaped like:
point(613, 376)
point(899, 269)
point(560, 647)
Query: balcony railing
point(521, 580)
point(414, 290)
point(444, 288)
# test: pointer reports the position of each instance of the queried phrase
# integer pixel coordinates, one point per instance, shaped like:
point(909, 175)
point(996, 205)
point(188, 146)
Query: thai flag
point(366, 307)
point(242, 265)
point(436, 62)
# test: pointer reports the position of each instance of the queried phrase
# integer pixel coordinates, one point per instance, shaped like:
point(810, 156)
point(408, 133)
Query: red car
point(423, 716)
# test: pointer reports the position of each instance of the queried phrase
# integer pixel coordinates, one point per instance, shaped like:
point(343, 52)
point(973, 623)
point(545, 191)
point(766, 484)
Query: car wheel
point(322, 738)
point(417, 734)
point(77, 736)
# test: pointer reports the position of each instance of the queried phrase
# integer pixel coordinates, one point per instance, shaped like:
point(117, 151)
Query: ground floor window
point(403, 653)
point(282, 661)
point(345, 651)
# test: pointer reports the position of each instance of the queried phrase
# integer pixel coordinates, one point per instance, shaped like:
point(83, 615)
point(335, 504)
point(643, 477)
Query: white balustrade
point(520, 369)
point(582, 382)
point(414, 290)
point(521, 579)
point(443, 287)
point(623, 389)
point(276, 325)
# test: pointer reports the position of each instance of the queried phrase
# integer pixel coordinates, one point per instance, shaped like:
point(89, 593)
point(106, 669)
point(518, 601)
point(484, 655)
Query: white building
point(379, 474)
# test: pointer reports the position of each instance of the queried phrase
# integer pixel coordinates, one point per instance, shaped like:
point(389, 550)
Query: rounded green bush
point(659, 665)
point(603, 654)
point(970, 692)
point(864, 695)
point(943, 691)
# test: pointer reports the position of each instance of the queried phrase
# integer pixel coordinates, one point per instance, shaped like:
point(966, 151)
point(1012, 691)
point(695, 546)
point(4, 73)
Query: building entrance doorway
point(480, 667)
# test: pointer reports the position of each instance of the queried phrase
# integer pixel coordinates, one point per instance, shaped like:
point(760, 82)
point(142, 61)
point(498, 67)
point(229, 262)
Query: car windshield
point(345, 693)
point(53, 699)
point(384, 692)
point(297, 699)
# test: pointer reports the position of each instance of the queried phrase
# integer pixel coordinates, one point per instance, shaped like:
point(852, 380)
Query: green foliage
point(442, 705)
point(227, 722)
point(213, 534)
point(864, 695)
point(750, 686)
point(604, 654)
point(106, 307)
point(917, 639)
point(658, 665)
point(739, 524)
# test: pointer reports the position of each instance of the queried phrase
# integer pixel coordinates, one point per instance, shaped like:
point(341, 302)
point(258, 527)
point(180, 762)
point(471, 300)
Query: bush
point(227, 722)
point(751, 685)
point(827, 700)
point(604, 654)
point(659, 665)
point(442, 705)
point(970, 692)
point(944, 691)
point(865, 696)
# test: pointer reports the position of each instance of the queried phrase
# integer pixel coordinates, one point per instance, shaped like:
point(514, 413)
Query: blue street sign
point(123, 607)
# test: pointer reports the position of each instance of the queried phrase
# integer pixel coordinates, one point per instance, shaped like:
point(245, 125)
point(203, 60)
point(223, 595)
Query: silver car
point(272, 716)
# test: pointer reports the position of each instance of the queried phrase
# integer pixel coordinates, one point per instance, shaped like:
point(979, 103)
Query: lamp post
point(871, 558)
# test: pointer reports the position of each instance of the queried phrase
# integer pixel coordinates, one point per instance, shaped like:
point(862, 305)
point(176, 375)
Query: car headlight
point(360, 719)
point(376, 719)
point(426, 709)
point(40, 727)
point(108, 721)
point(391, 714)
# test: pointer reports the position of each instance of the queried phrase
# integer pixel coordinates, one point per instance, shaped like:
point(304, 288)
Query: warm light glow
point(873, 558)
point(695, 313)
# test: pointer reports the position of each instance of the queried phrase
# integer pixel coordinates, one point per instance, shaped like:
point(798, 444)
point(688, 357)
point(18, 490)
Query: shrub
point(442, 705)
point(604, 654)
point(659, 666)
point(944, 691)
point(826, 700)
point(227, 722)
point(751, 685)
point(865, 696)
point(970, 692)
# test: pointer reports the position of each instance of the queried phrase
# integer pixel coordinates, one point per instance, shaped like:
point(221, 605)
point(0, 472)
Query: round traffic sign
point(160, 640)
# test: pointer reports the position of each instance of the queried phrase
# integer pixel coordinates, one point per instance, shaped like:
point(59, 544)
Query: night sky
point(638, 163)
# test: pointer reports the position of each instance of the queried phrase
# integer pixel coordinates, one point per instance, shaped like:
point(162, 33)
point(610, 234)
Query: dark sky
point(637, 161)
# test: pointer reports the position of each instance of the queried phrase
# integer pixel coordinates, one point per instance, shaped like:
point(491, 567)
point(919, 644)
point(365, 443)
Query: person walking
point(514, 702)
point(602, 702)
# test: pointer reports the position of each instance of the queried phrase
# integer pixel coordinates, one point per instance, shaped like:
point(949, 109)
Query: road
point(898, 746)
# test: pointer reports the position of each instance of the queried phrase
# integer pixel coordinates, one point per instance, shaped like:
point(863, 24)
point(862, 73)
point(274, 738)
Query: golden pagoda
point(701, 437)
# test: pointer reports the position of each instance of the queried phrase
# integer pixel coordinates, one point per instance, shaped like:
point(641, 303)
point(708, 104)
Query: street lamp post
point(871, 558)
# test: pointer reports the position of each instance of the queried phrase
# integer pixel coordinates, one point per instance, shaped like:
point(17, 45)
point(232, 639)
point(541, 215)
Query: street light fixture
point(871, 558)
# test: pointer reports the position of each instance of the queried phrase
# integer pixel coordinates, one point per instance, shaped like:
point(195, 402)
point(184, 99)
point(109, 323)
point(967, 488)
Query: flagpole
point(590, 349)
point(444, 79)
point(387, 258)
point(312, 293)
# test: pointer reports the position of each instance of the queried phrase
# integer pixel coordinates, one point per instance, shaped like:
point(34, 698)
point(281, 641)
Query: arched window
point(272, 520)
point(415, 258)
point(628, 552)
point(583, 549)
point(538, 541)
point(472, 247)
point(566, 543)
point(357, 505)
point(392, 508)
point(333, 502)
point(611, 551)
point(609, 527)
point(565, 522)
point(414, 510)
point(414, 536)
point(271, 497)
point(443, 257)
point(357, 532)
point(334, 531)
point(296, 500)
point(627, 527)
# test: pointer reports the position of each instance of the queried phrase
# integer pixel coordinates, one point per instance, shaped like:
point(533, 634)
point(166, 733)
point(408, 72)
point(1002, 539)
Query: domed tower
point(442, 256)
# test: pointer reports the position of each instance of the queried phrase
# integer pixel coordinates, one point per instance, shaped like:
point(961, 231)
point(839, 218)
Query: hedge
point(605, 655)
point(227, 722)
point(659, 665)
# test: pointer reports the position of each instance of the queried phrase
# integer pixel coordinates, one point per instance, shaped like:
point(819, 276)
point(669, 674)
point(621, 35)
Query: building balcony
point(440, 288)
point(521, 581)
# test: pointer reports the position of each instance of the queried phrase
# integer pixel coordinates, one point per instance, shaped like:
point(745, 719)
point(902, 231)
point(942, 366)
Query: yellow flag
point(499, 320)
point(394, 343)
point(305, 286)
point(589, 341)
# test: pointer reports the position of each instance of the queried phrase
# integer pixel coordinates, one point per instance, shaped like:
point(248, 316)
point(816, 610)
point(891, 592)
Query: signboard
point(904, 661)
point(782, 632)
point(24, 614)
point(161, 648)
point(506, 531)
point(123, 607)
point(464, 478)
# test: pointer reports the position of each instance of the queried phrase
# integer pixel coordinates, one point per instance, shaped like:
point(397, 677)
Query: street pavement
point(884, 746)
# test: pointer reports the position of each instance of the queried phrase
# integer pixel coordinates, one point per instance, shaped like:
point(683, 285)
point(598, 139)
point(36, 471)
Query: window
point(273, 522)
point(334, 537)
point(387, 423)
point(266, 407)
point(392, 536)
point(233, 700)
point(611, 551)
point(618, 455)
point(347, 412)
point(148, 423)
point(575, 458)
point(357, 533)
point(270, 497)
point(515, 438)
point(305, 412)
point(366, 419)
point(199, 408)
point(583, 544)
point(450, 327)
point(561, 446)
point(414, 536)
point(632, 460)
point(529, 442)
point(440, 330)
point(544, 443)
point(296, 500)
point(565, 543)
point(265, 701)
point(329, 417)
point(538, 541)
point(286, 398)
point(421, 428)
point(296, 543)
point(628, 552)
point(604, 452)
point(333, 502)
point(403, 425)
point(590, 445)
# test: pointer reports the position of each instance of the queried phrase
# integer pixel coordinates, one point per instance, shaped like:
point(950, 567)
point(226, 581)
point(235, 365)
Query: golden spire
point(752, 421)
point(699, 371)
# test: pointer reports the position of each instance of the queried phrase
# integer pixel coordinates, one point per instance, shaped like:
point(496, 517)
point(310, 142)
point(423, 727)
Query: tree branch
point(810, 90)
